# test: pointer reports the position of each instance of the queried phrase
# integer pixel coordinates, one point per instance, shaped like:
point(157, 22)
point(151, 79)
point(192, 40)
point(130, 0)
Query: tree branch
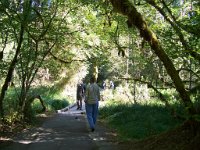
point(64, 61)
point(175, 27)
point(135, 18)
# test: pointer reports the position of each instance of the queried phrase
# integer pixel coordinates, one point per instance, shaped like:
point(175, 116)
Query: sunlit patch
point(35, 134)
point(99, 139)
point(4, 139)
point(96, 137)
point(24, 141)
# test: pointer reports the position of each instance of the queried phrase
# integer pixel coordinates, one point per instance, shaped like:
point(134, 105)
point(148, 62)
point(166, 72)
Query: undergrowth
point(138, 121)
point(51, 97)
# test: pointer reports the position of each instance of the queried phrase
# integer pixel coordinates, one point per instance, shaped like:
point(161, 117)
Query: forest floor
point(69, 130)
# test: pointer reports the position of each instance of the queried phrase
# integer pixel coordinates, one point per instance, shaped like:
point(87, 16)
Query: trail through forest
point(69, 131)
point(64, 130)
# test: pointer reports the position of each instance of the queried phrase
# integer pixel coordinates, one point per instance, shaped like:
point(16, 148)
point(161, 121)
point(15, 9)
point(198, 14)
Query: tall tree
point(128, 9)
point(23, 18)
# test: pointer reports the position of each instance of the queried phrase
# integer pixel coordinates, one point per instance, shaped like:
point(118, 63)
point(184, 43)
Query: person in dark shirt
point(80, 95)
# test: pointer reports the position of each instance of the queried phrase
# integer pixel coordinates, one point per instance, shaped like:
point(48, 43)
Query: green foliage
point(94, 36)
point(11, 101)
point(138, 121)
point(50, 95)
point(197, 118)
point(36, 107)
point(52, 98)
point(13, 117)
point(59, 104)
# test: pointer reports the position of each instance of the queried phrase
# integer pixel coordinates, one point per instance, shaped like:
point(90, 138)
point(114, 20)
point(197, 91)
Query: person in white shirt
point(92, 98)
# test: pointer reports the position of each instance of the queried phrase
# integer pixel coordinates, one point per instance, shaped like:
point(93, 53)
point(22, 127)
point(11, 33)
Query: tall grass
point(137, 121)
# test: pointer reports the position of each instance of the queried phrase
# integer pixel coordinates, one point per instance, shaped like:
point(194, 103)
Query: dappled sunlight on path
point(65, 130)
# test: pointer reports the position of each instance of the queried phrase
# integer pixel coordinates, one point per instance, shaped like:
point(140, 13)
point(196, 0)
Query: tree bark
point(27, 107)
point(10, 72)
point(136, 19)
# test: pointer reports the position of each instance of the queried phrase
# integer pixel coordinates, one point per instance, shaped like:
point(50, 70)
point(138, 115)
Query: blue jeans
point(92, 112)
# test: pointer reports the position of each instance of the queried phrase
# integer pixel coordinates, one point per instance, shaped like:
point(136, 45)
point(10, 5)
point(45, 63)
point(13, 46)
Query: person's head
point(92, 79)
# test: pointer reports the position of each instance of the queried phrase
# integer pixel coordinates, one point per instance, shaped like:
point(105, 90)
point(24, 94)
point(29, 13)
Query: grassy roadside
point(138, 121)
point(149, 126)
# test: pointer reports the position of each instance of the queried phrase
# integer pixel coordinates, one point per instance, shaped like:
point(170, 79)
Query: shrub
point(59, 104)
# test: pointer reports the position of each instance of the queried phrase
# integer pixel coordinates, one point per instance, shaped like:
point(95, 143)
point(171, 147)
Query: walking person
point(112, 86)
point(92, 103)
point(79, 96)
point(104, 84)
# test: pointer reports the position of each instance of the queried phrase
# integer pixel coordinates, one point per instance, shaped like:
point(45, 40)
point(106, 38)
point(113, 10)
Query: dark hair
point(92, 79)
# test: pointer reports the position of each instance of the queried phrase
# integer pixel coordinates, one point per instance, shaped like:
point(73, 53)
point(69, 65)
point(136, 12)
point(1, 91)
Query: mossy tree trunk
point(126, 8)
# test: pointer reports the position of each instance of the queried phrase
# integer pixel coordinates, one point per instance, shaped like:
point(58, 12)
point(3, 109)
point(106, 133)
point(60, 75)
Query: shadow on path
point(64, 131)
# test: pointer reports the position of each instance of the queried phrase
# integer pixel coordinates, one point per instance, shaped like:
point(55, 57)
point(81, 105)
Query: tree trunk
point(135, 19)
point(26, 11)
point(27, 107)
point(95, 72)
point(10, 72)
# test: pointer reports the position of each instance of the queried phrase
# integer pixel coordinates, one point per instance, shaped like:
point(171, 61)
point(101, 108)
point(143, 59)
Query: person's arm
point(98, 93)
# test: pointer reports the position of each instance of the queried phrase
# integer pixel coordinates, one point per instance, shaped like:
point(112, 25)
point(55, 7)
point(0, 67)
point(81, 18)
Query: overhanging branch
point(64, 61)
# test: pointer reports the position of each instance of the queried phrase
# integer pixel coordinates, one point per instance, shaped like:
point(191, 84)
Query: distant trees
point(169, 56)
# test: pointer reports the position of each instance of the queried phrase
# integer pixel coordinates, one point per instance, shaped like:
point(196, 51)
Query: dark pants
point(79, 104)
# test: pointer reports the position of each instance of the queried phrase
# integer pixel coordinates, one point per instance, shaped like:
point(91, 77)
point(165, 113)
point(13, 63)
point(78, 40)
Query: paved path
point(64, 131)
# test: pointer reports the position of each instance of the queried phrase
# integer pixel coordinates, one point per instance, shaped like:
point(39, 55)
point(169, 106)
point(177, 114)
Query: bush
point(37, 106)
point(59, 104)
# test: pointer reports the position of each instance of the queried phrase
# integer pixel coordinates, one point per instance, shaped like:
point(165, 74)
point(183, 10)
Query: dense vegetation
point(149, 48)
